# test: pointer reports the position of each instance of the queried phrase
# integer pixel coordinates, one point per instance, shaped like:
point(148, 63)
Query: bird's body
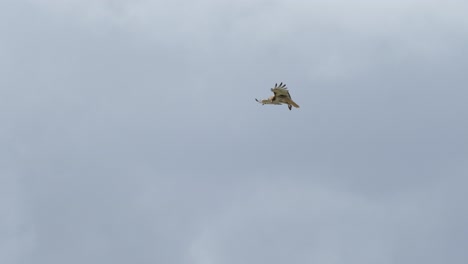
point(281, 96)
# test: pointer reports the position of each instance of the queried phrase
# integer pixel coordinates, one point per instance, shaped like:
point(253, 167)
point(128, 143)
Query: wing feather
point(280, 89)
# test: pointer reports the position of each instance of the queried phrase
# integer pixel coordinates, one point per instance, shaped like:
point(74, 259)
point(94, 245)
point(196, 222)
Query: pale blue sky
point(130, 133)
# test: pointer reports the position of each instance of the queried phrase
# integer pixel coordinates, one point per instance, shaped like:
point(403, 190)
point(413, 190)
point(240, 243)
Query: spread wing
point(281, 91)
point(283, 96)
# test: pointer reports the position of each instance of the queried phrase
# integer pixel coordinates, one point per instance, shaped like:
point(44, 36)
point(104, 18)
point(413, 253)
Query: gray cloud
point(130, 133)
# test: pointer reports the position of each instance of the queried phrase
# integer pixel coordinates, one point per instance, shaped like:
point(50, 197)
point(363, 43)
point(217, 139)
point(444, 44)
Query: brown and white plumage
point(280, 96)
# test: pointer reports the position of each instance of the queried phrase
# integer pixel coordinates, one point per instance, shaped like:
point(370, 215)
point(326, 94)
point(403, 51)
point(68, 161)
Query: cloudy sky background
point(129, 132)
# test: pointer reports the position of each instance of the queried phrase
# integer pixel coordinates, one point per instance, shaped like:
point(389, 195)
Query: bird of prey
point(281, 96)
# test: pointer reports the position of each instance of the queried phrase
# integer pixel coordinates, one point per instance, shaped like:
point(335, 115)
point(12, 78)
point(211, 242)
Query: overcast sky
point(129, 132)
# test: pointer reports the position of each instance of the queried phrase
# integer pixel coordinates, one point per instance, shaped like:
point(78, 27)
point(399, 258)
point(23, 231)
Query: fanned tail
point(293, 103)
point(290, 103)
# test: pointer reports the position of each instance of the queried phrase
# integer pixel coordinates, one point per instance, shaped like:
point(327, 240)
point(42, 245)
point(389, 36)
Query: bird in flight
point(281, 96)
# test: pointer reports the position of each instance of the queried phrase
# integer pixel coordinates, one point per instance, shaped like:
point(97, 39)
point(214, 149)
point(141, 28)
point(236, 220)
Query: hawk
point(281, 96)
